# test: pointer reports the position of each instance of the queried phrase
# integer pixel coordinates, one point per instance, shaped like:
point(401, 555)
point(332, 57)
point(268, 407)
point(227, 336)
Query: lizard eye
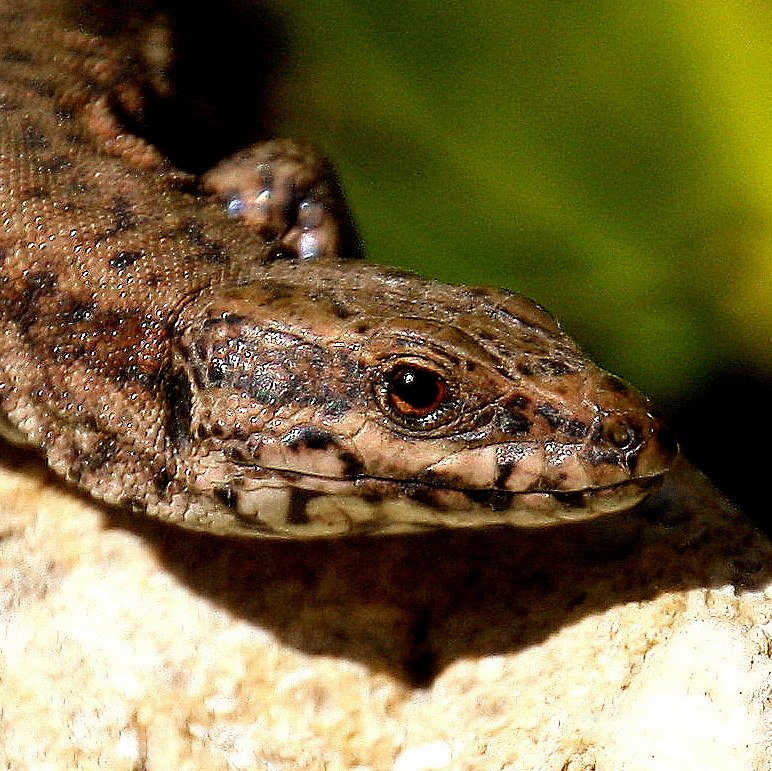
point(413, 392)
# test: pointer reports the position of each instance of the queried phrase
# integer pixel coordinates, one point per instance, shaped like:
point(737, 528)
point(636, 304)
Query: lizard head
point(361, 399)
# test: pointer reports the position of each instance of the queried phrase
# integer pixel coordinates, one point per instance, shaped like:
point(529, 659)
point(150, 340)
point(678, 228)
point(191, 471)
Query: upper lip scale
point(434, 484)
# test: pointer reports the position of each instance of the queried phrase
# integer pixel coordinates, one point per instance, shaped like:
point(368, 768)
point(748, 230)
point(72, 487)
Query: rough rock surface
point(637, 642)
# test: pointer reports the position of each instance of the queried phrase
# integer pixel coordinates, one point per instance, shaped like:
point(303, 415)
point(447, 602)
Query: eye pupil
point(415, 391)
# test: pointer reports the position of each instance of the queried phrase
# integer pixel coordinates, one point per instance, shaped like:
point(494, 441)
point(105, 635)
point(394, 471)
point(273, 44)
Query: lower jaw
point(283, 509)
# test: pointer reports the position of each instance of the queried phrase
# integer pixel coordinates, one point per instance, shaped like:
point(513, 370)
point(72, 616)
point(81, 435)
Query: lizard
point(215, 352)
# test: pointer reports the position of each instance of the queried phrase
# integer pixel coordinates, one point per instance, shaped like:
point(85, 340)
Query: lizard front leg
point(284, 189)
point(289, 192)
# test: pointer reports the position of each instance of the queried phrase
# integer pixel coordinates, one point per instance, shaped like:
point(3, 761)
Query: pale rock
point(635, 642)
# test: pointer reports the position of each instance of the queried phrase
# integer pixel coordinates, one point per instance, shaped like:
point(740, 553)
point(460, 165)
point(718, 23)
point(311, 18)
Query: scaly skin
point(167, 357)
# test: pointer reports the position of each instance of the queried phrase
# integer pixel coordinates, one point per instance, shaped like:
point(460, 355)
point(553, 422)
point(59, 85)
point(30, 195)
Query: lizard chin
point(308, 506)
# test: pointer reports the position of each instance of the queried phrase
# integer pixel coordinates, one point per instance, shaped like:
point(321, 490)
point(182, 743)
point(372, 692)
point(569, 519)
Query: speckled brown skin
point(166, 357)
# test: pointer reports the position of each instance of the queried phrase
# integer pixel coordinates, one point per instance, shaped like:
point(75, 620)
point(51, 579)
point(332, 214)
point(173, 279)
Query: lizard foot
point(290, 194)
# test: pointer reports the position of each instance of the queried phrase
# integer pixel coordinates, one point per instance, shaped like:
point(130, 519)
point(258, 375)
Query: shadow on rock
point(411, 605)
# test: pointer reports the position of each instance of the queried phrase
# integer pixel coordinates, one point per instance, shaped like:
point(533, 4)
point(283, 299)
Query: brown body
point(167, 357)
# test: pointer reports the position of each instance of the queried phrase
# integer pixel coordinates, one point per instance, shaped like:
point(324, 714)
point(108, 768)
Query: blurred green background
point(611, 160)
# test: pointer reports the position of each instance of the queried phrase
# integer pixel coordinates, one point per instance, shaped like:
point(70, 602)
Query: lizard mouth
point(280, 503)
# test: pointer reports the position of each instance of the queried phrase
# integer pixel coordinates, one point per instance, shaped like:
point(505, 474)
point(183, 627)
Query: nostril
point(622, 435)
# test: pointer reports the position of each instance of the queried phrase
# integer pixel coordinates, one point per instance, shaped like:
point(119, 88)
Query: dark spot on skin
point(495, 500)
point(179, 407)
point(218, 431)
point(103, 452)
point(556, 366)
point(215, 373)
point(336, 407)
point(427, 496)
point(575, 429)
point(162, 480)
point(507, 458)
point(13, 55)
point(571, 500)
point(133, 373)
point(226, 495)
point(374, 496)
point(33, 138)
point(202, 432)
point(298, 506)
point(280, 252)
point(38, 191)
point(520, 401)
point(615, 384)
point(514, 423)
point(89, 422)
point(524, 369)
point(352, 466)
point(279, 291)
point(107, 341)
point(75, 188)
point(98, 456)
point(308, 437)
point(505, 469)
point(123, 259)
point(24, 308)
point(212, 252)
point(58, 163)
point(550, 414)
point(215, 254)
point(124, 216)
point(470, 366)
point(42, 88)
point(8, 105)
point(231, 319)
